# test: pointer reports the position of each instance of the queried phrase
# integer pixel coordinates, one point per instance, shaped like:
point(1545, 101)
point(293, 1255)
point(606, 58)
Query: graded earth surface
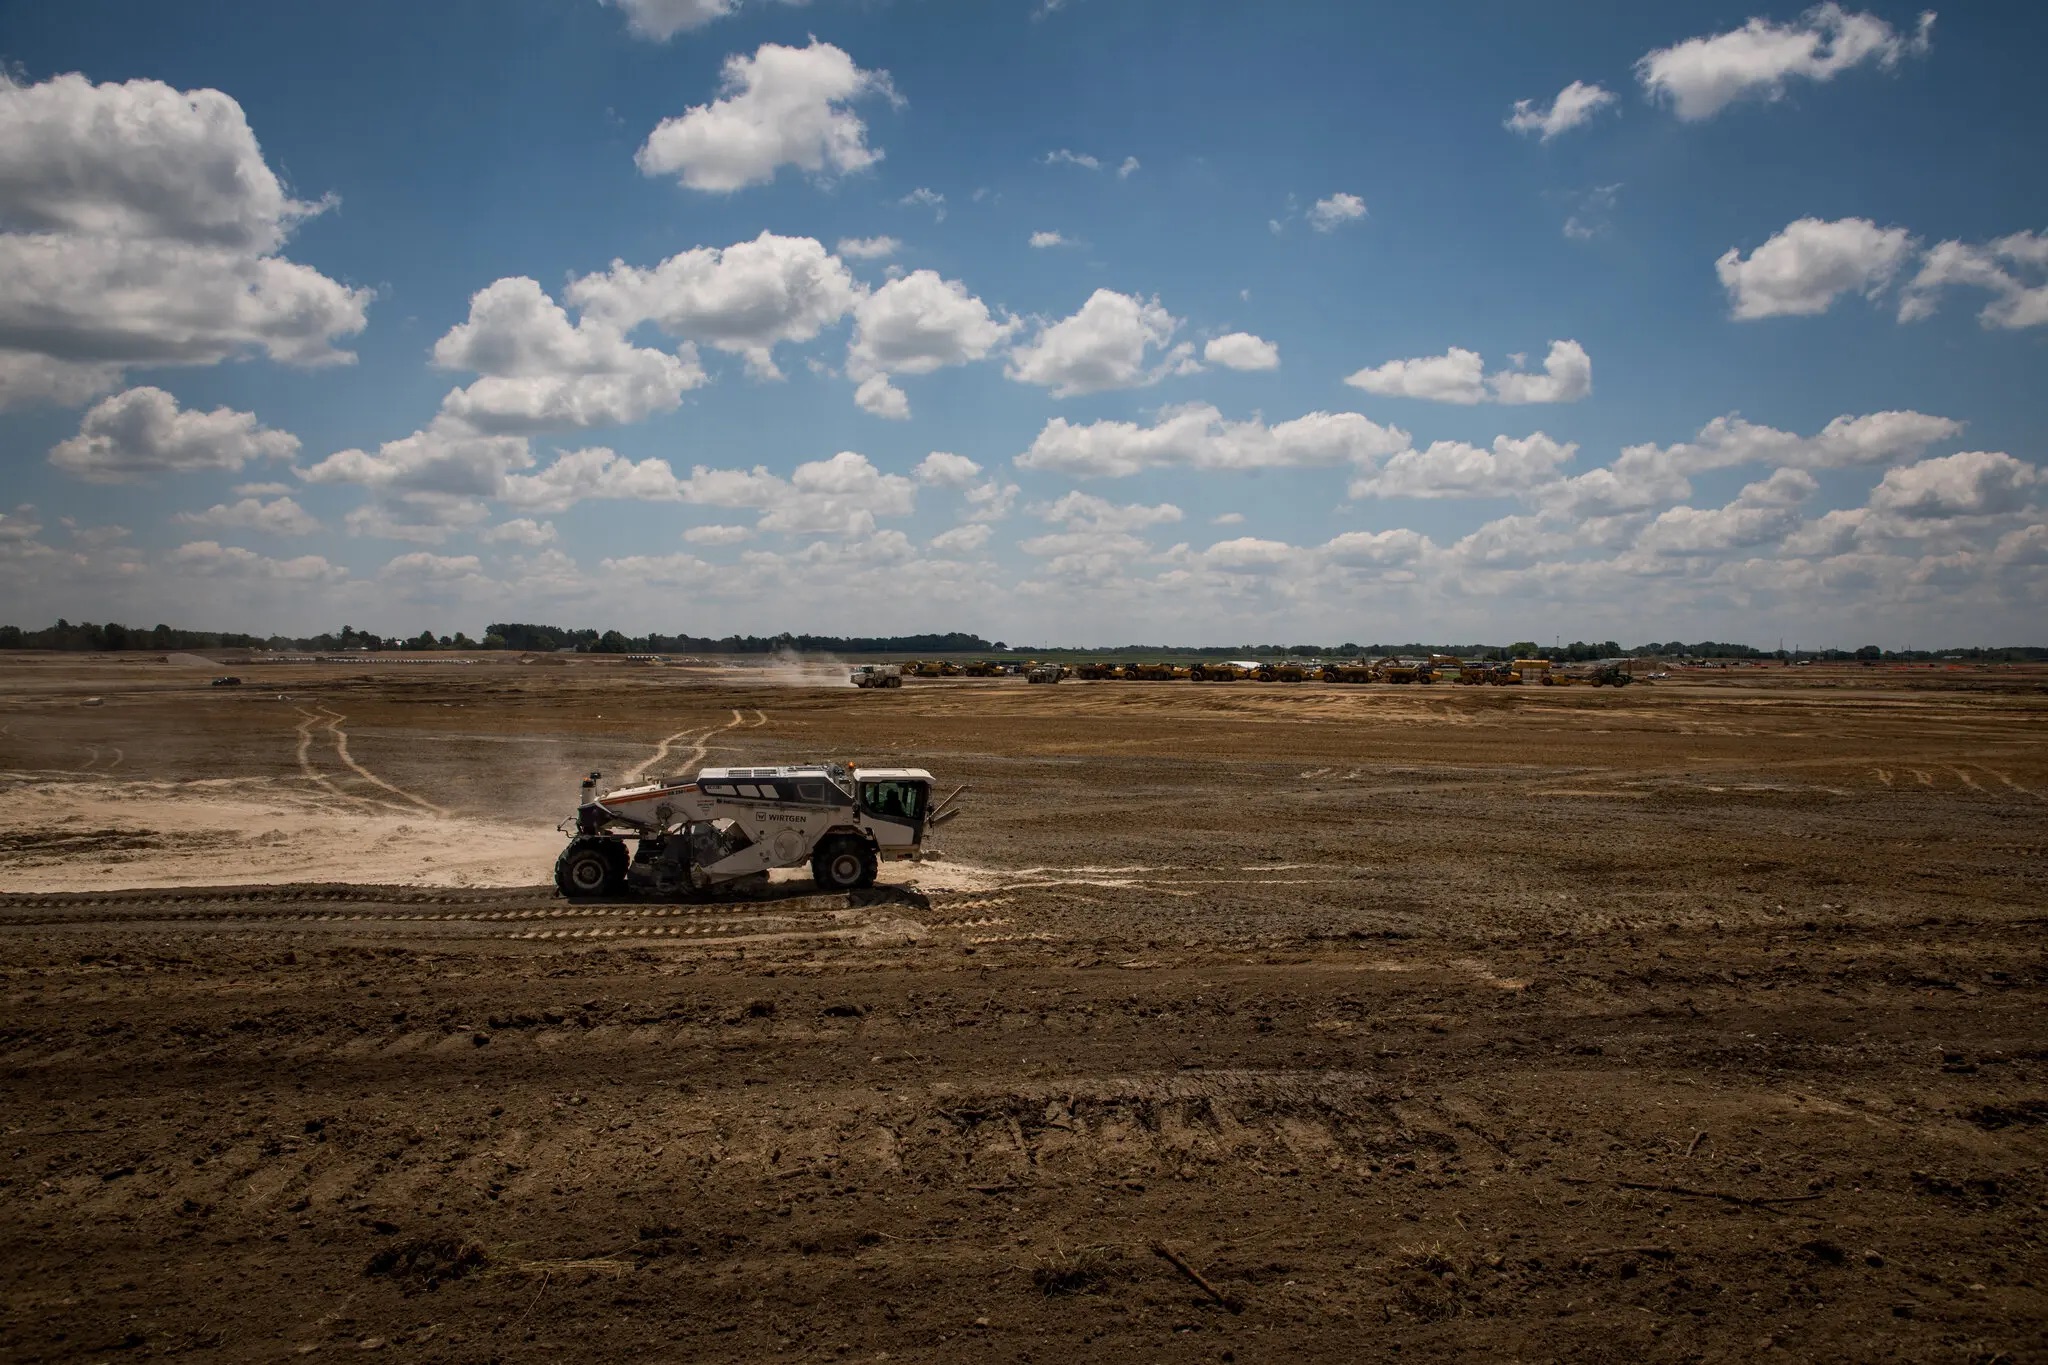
point(1701, 1020)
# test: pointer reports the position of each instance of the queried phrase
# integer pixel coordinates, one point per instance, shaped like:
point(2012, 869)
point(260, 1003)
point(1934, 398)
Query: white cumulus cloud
point(1458, 376)
point(745, 298)
point(868, 248)
point(660, 20)
point(1044, 239)
point(1453, 469)
point(1702, 76)
point(1804, 268)
point(595, 472)
point(944, 469)
point(920, 323)
point(2004, 267)
point(1107, 344)
point(1764, 512)
point(783, 106)
point(519, 531)
point(143, 431)
point(1845, 443)
point(844, 495)
point(1376, 549)
point(143, 228)
point(1242, 351)
point(1567, 377)
point(211, 559)
point(717, 535)
point(278, 517)
point(924, 197)
point(1971, 483)
point(1197, 436)
point(1079, 511)
point(962, 540)
point(878, 397)
point(1575, 105)
point(1327, 215)
point(541, 373)
point(421, 569)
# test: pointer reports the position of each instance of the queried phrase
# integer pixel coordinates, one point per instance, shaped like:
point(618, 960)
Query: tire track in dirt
point(312, 774)
point(661, 751)
point(700, 743)
point(2007, 780)
point(335, 718)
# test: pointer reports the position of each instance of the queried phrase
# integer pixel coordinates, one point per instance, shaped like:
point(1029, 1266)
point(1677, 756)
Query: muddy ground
point(1697, 1021)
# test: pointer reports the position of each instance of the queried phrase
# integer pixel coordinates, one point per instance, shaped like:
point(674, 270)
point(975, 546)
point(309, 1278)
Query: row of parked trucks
point(1436, 668)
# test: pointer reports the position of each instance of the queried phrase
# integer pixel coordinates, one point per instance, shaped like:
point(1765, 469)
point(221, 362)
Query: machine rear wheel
point(591, 867)
point(843, 864)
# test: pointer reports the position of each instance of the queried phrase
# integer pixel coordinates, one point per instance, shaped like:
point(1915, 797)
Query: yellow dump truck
point(1359, 672)
point(1480, 673)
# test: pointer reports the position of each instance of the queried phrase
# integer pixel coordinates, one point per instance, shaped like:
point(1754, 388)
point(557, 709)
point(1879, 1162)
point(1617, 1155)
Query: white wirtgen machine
point(725, 828)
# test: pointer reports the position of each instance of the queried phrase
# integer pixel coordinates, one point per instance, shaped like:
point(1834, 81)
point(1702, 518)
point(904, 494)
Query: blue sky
point(1360, 322)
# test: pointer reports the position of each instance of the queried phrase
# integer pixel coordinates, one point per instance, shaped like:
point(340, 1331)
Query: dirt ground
point(1695, 1021)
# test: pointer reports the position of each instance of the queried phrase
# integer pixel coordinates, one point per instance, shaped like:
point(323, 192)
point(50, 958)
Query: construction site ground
point(1705, 1020)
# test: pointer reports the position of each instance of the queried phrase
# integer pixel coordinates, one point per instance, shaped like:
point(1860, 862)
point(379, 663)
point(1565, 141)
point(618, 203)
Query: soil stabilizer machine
point(721, 831)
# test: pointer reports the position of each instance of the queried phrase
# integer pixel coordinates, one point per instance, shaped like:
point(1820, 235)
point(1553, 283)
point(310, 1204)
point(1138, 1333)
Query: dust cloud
point(790, 669)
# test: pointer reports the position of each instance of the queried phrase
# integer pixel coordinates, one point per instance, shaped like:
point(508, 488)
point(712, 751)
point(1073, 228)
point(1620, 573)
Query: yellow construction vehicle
point(1097, 672)
point(1406, 671)
point(1285, 672)
point(931, 668)
point(1153, 672)
point(1531, 670)
point(1355, 672)
point(1220, 671)
point(983, 668)
point(1479, 673)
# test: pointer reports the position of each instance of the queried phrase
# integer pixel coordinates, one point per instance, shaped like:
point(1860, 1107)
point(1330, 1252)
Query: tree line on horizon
point(529, 638)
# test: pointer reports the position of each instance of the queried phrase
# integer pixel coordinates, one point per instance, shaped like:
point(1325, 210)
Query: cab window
point(893, 800)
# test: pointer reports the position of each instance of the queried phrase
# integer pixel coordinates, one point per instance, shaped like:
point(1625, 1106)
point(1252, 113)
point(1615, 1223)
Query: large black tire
point(591, 867)
point(843, 864)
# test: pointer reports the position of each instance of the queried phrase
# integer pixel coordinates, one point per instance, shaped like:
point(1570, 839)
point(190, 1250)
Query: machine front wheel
point(843, 864)
point(591, 867)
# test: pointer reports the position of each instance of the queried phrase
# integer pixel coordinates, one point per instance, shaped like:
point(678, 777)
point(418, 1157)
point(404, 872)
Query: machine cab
point(894, 803)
